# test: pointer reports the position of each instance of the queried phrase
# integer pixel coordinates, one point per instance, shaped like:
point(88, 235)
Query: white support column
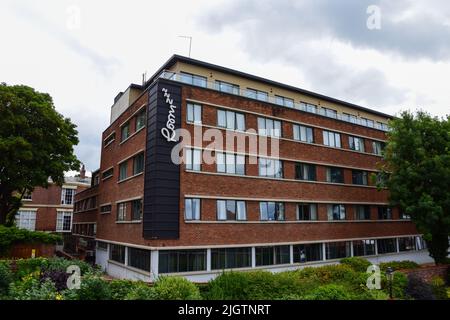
point(324, 249)
point(253, 257)
point(208, 259)
point(154, 264)
point(376, 247)
point(351, 248)
point(126, 256)
point(291, 254)
point(396, 242)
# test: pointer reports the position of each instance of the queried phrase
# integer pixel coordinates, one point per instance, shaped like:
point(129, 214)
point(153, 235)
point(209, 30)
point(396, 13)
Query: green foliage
point(141, 292)
point(61, 264)
point(417, 172)
point(92, 287)
point(356, 263)
point(399, 284)
point(12, 235)
point(6, 279)
point(329, 273)
point(32, 289)
point(36, 142)
point(330, 292)
point(398, 265)
point(439, 289)
point(175, 288)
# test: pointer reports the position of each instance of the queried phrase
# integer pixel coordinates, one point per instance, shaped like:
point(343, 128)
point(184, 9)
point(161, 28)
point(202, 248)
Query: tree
point(416, 170)
point(36, 143)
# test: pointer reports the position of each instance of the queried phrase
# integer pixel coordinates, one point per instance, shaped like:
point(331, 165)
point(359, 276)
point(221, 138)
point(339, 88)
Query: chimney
point(83, 172)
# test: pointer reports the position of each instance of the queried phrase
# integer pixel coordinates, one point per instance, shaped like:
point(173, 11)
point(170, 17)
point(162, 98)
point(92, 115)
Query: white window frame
point(229, 163)
point(269, 127)
point(300, 133)
point(193, 159)
point(194, 113)
point(64, 195)
point(26, 219)
point(332, 139)
point(195, 212)
point(60, 215)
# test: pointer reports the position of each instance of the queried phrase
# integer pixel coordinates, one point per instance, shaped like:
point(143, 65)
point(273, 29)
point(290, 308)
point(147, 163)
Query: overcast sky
point(84, 52)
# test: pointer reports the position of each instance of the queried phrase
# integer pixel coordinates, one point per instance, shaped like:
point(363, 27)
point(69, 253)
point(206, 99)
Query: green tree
point(416, 170)
point(36, 143)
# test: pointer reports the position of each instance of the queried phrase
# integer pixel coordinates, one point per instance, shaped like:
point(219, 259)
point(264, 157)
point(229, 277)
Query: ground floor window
point(64, 221)
point(308, 252)
point(102, 245)
point(407, 244)
point(26, 219)
point(364, 247)
point(139, 258)
point(337, 250)
point(117, 253)
point(387, 245)
point(182, 260)
point(272, 255)
point(227, 258)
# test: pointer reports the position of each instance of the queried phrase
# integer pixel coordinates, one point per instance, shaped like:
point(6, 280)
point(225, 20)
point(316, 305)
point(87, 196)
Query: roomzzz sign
point(168, 131)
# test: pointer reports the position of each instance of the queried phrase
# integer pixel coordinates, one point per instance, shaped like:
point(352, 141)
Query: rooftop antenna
point(144, 77)
point(190, 43)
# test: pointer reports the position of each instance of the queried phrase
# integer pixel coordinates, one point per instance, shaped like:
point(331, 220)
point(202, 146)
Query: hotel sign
point(168, 131)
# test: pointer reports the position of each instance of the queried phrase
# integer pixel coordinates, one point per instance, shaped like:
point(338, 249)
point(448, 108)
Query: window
point(377, 147)
point(107, 174)
point(356, 143)
point(123, 170)
point(287, 102)
point(269, 127)
point(230, 163)
point(331, 113)
point(305, 171)
point(407, 244)
point(336, 212)
point(194, 113)
point(306, 212)
point(139, 258)
point(231, 210)
point(387, 245)
point(193, 79)
point(335, 175)
point(384, 213)
point(337, 250)
point(109, 139)
point(105, 208)
point(367, 122)
point(193, 159)
point(256, 94)
point(67, 196)
point(102, 245)
point(138, 163)
point(311, 108)
point(117, 253)
point(125, 131)
point(96, 179)
point(349, 117)
point(136, 210)
point(307, 252)
point(26, 219)
point(181, 261)
point(226, 87)
point(270, 168)
point(359, 177)
point(331, 139)
point(122, 211)
point(192, 209)
point(271, 211)
point(363, 247)
point(362, 212)
point(231, 120)
point(266, 256)
point(303, 133)
point(64, 221)
point(140, 120)
point(228, 258)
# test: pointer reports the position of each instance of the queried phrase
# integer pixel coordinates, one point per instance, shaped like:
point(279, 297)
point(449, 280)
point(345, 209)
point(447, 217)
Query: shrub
point(330, 292)
point(24, 267)
point(33, 289)
point(329, 273)
point(120, 289)
point(439, 289)
point(141, 292)
point(398, 265)
point(59, 278)
point(6, 278)
point(92, 287)
point(61, 264)
point(13, 235)
point(175, 288)
point(419, 289)
point(356, 263)
point(399, 284)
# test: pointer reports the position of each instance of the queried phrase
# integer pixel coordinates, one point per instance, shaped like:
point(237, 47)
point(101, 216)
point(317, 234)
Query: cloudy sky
point(84, 52)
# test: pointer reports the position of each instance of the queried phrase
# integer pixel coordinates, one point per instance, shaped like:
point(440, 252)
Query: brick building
point(312, 202)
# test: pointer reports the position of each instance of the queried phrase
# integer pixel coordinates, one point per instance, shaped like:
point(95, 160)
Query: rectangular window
point(337, 250)
point(26, 219)
point(269, 127)
point(231, 120)
point(192, 209)
point(303, 133)
point(106, 208)
point(311, 108)
point(349, 117)
point(125, 131)
point(331, 113)
point(331, 139)
point(283, 101)
point(140, 120)
point(102, 245)
point(122, 211)
point(363, 247)
point(270, 168)
point(384, 213)
point(123, 170)
point(67, 195)
point(307, 252)
point(139, 258)
point(171, 261)
point(306, 212)
point(305, 171)
point(257, 94)
point(359, 177)
point(117, 253)
point(138, 163)
point(193, 159)
point(109, 139)
point(271, 211)
point(63, 221)
point(377, 147)
point(193, 79)
point(231, 210)
point(362, 212)
point(356, 143)
point(336, 212)
point(194, 113)
point(107, 174)
point(335, 175)
point(266, 256)
point(230, 163)
point(387, 245)
point(227, 87)
point(407, 244)
point(230, 258)
point(136, 209)
point(367, 122)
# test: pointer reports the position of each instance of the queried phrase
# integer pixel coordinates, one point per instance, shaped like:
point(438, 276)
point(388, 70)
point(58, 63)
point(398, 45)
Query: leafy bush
point(33, 289)
point(92, 287)
point(121, 289)
point(12, 235)
point(59, 278)
point(439, 289)
point(329, 273)
point(419, 289)
point(399, 284)
point(24, 267)
point(398, 265)
point(141, 292)
point(356, 263)
point(61, 264)
point(6, 279)
point(175, 288)
point(330, 292)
